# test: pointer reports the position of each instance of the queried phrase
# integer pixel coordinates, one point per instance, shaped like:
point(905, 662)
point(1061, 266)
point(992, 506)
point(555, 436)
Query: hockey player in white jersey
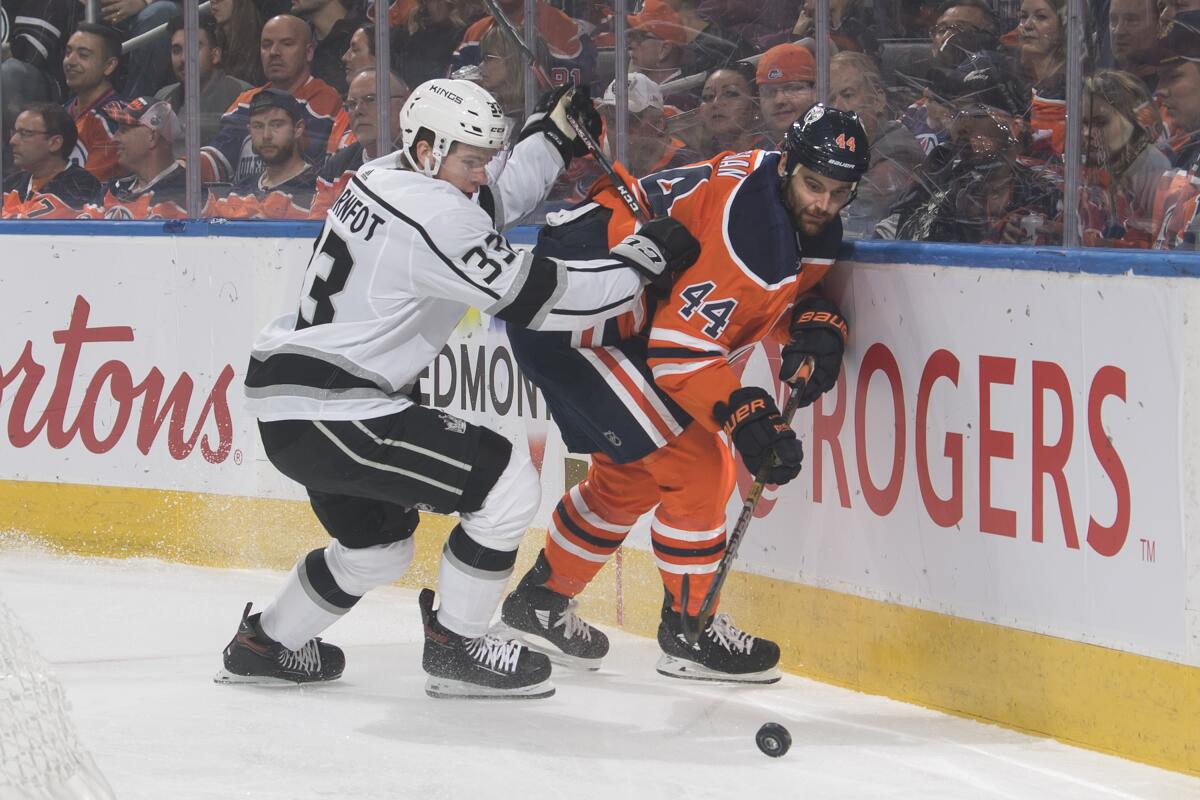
point(412, 243)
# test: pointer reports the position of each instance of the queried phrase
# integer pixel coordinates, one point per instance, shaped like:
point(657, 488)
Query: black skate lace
point(495, 653)
point(728, 635)
point(571, 624)
point(307, 659)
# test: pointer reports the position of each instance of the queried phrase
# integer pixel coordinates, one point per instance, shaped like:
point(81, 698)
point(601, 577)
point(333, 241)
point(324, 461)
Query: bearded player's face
point(814, 200)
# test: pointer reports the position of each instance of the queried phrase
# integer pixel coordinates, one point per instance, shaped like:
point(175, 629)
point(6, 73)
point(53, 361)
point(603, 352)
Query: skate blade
point(683, 669)
point(547, 648)
point(446, 688)
point(225, 676)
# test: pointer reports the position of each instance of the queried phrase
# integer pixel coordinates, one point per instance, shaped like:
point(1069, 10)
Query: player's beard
point(803, 221)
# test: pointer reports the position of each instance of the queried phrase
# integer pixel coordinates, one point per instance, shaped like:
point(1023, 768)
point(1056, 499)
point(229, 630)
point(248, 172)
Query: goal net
point(41, 757)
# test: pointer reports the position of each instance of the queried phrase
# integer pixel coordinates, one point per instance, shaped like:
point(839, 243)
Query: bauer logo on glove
point(818, 331)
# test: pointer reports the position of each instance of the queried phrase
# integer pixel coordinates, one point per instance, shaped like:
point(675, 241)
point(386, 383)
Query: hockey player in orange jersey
point(648, 393)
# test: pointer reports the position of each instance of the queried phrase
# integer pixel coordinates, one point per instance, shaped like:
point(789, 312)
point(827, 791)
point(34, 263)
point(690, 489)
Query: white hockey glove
point(550, 118)
point(660, 250)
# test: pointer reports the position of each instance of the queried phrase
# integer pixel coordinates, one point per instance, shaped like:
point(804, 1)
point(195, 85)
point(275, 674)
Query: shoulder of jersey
point(417, 198)
point(758, 229)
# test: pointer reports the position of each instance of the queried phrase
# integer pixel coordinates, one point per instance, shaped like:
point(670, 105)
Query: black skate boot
point(479, 667)
point(546, 621)
point(722, 653)
point(254, 657)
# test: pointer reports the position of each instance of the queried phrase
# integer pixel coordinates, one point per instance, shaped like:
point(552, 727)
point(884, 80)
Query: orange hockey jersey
point(753, 266)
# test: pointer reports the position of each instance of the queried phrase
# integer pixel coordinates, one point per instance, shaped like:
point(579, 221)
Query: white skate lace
point(494, 653)
point(307, 659)
point(571, 624)
point(728, 635)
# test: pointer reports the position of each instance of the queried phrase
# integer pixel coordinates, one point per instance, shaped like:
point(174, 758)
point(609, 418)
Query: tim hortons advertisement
point(122, 363)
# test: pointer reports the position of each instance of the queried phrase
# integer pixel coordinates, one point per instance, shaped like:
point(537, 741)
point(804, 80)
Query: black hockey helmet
point(828, 141)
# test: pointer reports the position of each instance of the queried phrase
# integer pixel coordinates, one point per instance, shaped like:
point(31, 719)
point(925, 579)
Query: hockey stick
point(582, 132)
point(692, 626)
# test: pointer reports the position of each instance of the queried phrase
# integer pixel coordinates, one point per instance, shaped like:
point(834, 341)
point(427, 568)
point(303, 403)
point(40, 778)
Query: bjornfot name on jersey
point(352, 211)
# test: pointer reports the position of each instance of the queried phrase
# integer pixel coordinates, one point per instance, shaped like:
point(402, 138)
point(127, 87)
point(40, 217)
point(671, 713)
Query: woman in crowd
point(1042, 52)
point(502, 71)
point(360, 54)
point(239, 25)
point(729, 112)
point(422, 49)
point(1123, 163)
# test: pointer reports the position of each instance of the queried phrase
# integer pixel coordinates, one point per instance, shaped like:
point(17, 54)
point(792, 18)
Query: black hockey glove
point(550, 117)
point(660, 250)
point(760, 434)
point(819, 330)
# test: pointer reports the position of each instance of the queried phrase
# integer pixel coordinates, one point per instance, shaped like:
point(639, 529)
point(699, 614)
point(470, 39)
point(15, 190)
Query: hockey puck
point(773, 739)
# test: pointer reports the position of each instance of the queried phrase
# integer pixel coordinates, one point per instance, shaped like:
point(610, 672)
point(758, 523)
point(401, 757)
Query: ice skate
point(547, 622)
point(479, 667)
point(723, 652)
point(254, 657)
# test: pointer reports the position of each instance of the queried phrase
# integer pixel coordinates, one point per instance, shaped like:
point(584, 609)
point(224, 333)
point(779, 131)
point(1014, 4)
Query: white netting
point(40, 754)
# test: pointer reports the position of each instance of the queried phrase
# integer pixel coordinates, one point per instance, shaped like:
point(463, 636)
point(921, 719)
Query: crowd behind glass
point(965, 101)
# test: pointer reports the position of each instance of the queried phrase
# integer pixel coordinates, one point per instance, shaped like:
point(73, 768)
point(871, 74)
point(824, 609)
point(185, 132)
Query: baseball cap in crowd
point(1181, 40)
point(277, 98)
point(785, 63)
point(660, 21)
point(643, 93)
point(147, 111)
point(987, 78)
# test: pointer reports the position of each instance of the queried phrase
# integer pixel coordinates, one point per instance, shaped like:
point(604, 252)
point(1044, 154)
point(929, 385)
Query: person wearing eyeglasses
point(362, 108)
point(47, 185)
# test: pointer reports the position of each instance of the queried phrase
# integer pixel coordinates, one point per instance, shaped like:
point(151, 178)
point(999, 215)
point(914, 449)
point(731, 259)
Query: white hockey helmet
point(456, 111)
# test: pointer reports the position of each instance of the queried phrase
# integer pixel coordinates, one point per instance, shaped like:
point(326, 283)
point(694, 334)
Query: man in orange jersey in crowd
point(46, 185)
point(286, 47)
point(91, 57)
point(648, 394)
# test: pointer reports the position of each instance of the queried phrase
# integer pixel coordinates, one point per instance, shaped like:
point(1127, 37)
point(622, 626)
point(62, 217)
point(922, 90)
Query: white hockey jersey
point(401, 259)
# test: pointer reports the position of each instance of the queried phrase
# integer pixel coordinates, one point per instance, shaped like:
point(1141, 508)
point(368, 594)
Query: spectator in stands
point(153, 182)
point(287, 52)
point(973, 188)
point(1176, 215)
point(92, 55)
point(149, 64)
point(963, 27)
point(729, 111)
point(218, 91)
point(561, 35)
point(362, 109)
point(332, 27)
point(656, 41)
point(277, 137)
point(708, 45)
point(423, 48)
point(856, 85)
point(47, 185)
point(988, 70)
point(32, 36)
point(502, 72)
point(1133, 34)
point(1124, 165)
point(240, 25)
point(360, 53)
point(1042, 43)
point(785, 76)
point(849, 26)
point(754, 24)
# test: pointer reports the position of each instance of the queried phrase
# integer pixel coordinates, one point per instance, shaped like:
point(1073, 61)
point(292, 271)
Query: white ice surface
point(136, 643)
